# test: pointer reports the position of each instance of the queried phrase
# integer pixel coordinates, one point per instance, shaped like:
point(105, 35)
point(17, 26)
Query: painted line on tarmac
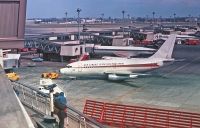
point(181, 67)
point(127, 93)
point(119, 98)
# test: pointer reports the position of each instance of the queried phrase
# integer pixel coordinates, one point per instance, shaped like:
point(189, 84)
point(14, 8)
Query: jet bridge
point(44, 45)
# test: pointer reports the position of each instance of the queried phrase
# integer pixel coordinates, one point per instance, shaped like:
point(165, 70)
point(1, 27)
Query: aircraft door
point(79, 68)
point(81, 50)
point(114, 65)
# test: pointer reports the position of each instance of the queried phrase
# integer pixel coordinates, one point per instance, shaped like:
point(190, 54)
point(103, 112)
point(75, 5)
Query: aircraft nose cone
point(61, 71)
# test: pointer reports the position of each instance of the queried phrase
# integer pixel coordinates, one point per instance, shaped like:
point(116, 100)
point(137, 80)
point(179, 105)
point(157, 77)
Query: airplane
point(124, 68)
point(179, 38)
point(122, 51)
point(164, 37)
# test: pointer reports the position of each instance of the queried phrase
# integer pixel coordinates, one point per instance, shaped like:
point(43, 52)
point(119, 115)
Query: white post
point(66, 21)
point(51, 102)
point(78, 11)
point(1, 58)
point(123, 12)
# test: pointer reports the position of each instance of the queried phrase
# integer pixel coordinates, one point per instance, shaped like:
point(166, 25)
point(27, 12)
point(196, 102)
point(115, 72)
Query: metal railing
point(118, 115)
point(32, 98)
point(40, 102)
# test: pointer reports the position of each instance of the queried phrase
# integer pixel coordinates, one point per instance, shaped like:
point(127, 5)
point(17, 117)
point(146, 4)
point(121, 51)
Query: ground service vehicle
point(50, 75)
point(13, 76)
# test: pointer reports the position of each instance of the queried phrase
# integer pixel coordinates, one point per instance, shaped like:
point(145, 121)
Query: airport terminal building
point(12, 23)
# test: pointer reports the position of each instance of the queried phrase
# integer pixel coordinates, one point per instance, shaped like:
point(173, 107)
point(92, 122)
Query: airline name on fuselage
point(99, 65)
point(102, 64)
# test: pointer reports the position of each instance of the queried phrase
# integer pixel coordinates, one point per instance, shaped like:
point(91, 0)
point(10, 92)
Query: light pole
point(78, 11)
point(102, 16)
point(128, 16)
point(66, 21)
point(170, 19)
point(160, 20)
point(190, 19)
point(153, 17)
point(123, 12)
point(174, 20)
point(199, 18)
point(147, 18)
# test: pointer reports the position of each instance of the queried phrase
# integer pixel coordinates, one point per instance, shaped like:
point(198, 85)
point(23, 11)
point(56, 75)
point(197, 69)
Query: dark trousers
point(61, 116)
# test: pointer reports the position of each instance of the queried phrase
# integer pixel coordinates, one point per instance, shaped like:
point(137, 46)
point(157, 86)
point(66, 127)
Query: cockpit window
point(68, 66)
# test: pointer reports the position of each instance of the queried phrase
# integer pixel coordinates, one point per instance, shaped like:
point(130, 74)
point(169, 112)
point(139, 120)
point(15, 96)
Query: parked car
point(38, 59)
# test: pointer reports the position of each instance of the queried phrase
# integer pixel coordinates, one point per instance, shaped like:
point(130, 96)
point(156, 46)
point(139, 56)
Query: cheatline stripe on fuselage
point(123, 50)
point(153, 65)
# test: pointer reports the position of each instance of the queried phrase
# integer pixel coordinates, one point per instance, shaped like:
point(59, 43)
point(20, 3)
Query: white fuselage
point(101, 67)
point(123, 51)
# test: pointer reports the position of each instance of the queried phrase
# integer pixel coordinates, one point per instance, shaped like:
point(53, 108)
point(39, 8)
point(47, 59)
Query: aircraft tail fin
point(166, 49)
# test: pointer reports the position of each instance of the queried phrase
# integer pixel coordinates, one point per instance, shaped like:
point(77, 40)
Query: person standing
point(61, 105)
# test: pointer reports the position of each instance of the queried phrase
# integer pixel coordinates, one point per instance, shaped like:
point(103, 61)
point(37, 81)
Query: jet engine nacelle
point(114, 77)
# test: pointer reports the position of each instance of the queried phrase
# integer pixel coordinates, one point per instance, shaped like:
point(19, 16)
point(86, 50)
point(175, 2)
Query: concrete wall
point(74, 50)
point(12, 23)
point(11, 113)
point(119, 42)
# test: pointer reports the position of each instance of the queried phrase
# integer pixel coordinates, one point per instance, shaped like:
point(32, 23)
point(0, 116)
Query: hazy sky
point(112, 8)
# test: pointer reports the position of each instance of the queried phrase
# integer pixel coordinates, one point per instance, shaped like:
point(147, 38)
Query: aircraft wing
point(125, 73)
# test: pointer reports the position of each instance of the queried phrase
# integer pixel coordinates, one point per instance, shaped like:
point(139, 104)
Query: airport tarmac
point(176, 86)
point(63, 28)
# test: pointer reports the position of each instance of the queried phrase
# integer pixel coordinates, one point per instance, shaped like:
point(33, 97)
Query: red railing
point(139, 117)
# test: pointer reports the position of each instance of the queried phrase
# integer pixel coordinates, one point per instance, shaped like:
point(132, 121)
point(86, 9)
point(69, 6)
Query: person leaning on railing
point(60, 107)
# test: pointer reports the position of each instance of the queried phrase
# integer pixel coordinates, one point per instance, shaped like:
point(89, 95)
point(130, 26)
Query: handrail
point(86, 117)
point(72, 109)
point(32, 88)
